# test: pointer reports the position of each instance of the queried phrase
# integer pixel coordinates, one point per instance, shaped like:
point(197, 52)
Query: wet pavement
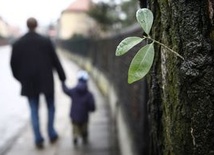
point(16, 127)
point(14, 110)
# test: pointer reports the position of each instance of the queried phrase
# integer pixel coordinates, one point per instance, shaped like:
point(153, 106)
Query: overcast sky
point(15, 12)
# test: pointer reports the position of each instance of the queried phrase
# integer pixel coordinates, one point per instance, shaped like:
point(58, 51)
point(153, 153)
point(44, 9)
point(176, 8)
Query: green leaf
point(145, 18)
point(141, 63)
point(126, 44)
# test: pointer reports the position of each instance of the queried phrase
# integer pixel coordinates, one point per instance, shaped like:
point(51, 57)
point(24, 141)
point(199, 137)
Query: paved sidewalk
point(99, 127)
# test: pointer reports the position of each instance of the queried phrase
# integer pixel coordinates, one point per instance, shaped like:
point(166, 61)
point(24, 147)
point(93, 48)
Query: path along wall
point(128, 103)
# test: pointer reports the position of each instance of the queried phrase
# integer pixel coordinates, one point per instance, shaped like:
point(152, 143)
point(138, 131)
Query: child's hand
point(63, 85)
point(65, 88)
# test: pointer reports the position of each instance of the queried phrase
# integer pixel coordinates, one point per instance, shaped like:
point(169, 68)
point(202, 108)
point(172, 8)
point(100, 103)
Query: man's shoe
point(39, 145)
point(54, 139)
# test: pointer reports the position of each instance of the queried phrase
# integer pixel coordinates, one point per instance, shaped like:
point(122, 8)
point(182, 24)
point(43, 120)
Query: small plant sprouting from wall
point(143, 60)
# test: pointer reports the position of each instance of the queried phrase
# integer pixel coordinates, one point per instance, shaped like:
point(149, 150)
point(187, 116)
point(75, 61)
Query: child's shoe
point(75, 141)
point(85, 139)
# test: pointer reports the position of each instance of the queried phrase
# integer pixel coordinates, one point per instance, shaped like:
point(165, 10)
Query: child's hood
point(82, 87)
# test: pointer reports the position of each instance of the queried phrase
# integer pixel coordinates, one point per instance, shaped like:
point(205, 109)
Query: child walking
point(82, 103)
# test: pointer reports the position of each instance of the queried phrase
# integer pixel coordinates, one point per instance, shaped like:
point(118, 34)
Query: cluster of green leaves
point(143, 60)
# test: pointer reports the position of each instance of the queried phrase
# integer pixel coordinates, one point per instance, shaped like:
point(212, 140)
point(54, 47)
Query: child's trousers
point(80, 129)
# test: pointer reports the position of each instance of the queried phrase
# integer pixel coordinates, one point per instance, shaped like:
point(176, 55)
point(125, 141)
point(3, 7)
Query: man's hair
point(32, 23)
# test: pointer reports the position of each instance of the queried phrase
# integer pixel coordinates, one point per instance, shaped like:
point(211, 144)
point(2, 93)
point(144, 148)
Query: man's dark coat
point(32, 62)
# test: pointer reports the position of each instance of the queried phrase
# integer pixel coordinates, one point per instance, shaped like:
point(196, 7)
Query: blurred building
point(75, 21)
point(4, 29)
point(15, 32)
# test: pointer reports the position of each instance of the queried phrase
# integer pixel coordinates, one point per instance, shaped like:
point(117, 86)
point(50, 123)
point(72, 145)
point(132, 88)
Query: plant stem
point(164, 46)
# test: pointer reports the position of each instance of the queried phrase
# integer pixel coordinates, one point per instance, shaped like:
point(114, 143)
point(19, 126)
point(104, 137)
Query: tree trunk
point(181, 103)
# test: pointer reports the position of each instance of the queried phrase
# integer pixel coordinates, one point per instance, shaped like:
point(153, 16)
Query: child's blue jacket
point(82, 102)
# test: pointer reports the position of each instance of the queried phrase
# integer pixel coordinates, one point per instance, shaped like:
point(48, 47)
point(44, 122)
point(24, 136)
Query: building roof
point(79, 5)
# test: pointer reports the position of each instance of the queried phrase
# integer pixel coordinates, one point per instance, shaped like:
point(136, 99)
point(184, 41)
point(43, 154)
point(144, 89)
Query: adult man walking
point(33, 60)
